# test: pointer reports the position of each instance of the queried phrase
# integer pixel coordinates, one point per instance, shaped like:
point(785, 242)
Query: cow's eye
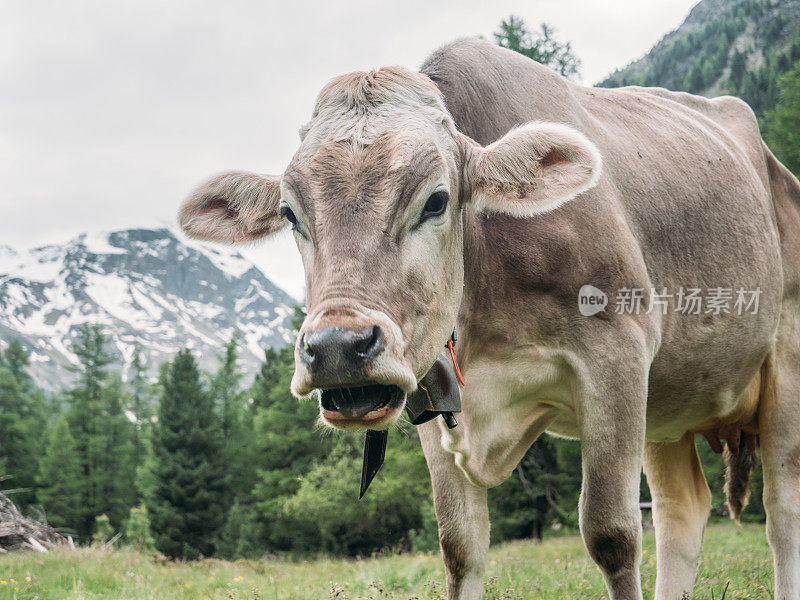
point(435, 205)
point(286, 213)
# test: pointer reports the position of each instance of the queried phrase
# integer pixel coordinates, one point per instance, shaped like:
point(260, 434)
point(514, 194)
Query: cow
point(482, 193)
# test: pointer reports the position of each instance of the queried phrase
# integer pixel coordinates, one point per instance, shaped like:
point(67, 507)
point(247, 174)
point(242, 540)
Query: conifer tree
point(782, 125)
point(15, 359)
point(84, 416)
point(14, 439)
point(137, 530)
point(103, 530)
point(60, 479)
point(185, 503)
point(22, 420)
point(229, 399)
point(226, 391)
point(543, 47)
point(118, 470)
point(286, 443)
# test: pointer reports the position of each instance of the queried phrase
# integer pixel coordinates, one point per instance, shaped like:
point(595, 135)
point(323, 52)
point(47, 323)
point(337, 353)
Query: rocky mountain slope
point(145, 286)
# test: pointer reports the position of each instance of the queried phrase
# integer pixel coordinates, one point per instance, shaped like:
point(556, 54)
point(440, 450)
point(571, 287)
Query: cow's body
point(688, 198)
point(684, 201)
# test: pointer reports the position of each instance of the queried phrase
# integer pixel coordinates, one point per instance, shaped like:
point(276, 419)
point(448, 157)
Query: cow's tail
point(739, 466)
point(738, 469)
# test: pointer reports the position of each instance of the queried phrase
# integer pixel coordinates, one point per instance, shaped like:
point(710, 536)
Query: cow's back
point(684, 202)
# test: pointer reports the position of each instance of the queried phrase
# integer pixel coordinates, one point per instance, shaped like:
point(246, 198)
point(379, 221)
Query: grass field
point(557, 569)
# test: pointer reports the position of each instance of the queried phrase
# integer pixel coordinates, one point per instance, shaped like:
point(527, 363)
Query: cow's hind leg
point(463, 516)
point(681, 502)
point(779, 431)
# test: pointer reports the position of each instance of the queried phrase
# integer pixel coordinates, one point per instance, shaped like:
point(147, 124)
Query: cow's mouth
point(363, 406)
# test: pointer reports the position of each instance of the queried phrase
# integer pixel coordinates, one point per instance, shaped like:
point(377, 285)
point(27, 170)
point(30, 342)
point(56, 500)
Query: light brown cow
point(424, 201)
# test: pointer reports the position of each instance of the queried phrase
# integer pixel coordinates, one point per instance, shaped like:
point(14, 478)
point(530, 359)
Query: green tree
point(117, 474)
point(17, 446)
point(60, 478)
point(241, 536)
point(137, 530)
point(286, 443)
point(22, 419)
point(15, 359)
point(543, 489)
point(226, 389)
point(709, 72)
point(542, 46)
point(694, 80)
point(103, 434)
point(84, 416)
point(782, 125)
point(103, 531)
point(229, 400)
point(186, 501)
point(738, 68)
point(323, 514)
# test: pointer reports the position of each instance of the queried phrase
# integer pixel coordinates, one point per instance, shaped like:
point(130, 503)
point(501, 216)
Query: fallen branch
point(110, 542)
point(18, 531)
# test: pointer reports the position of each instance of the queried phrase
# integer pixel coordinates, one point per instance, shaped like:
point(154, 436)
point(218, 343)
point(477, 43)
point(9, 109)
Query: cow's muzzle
point(355, 359)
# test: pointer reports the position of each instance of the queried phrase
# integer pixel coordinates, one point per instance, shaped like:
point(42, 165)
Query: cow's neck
point(477, 286)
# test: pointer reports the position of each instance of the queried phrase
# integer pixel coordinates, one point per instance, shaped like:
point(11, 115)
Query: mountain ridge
point(145, 286)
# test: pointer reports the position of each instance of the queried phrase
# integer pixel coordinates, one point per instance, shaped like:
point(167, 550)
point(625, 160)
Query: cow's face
point(375, 196)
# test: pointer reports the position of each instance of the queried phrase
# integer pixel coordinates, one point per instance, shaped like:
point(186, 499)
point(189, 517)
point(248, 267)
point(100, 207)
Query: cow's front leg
point(463, 517)
point(612, 445)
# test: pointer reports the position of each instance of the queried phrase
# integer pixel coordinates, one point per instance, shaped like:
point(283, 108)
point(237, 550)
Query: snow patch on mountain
point(150, 287)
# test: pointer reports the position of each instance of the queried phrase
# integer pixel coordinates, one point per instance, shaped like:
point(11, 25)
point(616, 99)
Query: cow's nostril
point(371, 344)
point(342, 350)
point(306, 350)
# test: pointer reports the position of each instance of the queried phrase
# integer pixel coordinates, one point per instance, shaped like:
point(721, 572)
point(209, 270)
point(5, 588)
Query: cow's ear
point(233, 207)
point(532, 169)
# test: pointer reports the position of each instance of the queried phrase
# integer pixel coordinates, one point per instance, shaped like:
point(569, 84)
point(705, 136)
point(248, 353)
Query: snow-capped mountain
point(146, 286)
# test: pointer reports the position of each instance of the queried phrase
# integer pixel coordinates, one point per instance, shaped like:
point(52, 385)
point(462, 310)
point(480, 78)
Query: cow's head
point(375, 196)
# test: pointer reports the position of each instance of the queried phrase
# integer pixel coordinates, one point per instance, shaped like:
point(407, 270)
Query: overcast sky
point(111, 111)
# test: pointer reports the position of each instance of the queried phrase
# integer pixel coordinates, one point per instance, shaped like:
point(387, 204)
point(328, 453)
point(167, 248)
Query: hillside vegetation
point(736, 47)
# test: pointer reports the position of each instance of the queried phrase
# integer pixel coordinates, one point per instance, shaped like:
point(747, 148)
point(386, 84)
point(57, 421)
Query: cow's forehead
point(380, 176)
point(340, 179)
point(373, 138)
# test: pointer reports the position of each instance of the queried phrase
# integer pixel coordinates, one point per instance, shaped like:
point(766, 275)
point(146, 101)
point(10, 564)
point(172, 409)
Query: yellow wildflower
point(28, 578)
point(3, 582)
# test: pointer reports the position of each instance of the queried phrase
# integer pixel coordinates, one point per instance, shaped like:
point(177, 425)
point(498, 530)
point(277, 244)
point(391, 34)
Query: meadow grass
point(559, 568)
